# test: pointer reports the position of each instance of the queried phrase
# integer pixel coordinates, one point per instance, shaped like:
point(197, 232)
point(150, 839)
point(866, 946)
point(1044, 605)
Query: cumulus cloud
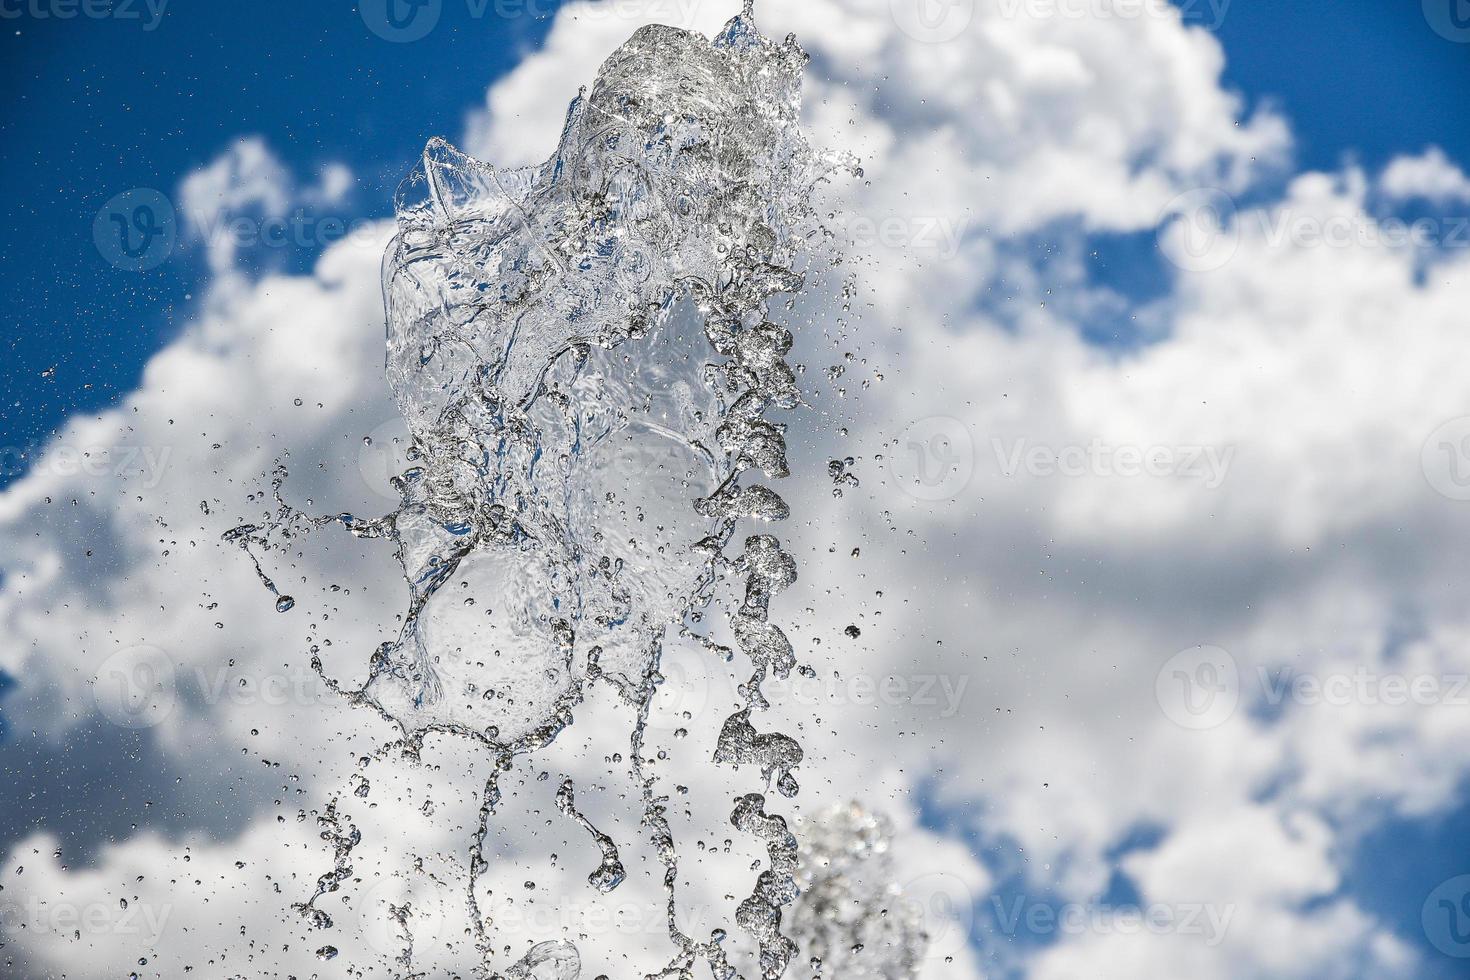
point(1043, 531)
point(1430, 175)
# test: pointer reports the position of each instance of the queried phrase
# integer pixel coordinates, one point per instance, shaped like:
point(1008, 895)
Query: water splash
point(609, 873)
point(853, 921)
point(548, 961)
point(584, 354)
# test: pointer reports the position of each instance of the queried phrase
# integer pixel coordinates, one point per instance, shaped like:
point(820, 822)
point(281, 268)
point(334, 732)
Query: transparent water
point(589, 356)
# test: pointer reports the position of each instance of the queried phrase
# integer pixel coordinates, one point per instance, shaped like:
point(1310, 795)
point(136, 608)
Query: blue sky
point(95, 108)
point(99, 107)
point(1363, 79)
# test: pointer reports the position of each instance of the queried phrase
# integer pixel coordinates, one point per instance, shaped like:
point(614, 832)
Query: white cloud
point(1054, 596)
point(1431, 176)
